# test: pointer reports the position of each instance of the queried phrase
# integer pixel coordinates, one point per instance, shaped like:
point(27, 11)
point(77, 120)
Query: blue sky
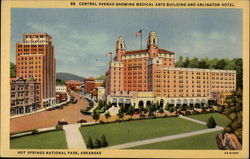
point(82, 37)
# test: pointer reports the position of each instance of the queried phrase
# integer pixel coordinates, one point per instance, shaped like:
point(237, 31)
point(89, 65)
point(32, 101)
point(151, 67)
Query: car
point(62, 122)
point(81, 121)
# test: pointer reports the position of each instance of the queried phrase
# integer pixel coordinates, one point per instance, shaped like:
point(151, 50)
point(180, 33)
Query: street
point(70, 113)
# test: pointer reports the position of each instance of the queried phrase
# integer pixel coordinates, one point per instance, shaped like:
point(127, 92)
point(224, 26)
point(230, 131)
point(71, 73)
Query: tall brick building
point(35, 57)
point(150, 75)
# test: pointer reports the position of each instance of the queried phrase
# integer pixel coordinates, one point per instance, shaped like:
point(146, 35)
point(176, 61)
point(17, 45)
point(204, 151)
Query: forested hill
point(214, 63)
point(63, 76)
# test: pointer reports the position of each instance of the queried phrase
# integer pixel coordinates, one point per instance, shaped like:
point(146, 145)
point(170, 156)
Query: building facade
point(92, 83)
point(150, 75)
point(35, 57)
point(61, 89)
point(25, 95)
point(74, 85)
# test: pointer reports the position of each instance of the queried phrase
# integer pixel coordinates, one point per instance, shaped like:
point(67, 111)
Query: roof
point(31, 78)
point(73, 82)
point(135, 52)
point(143, 51)
point(165, 51)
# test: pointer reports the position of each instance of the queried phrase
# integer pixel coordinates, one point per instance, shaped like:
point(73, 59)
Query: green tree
point(211, 122)
point(180, 62)
point(161, 111)
point(186, 63)
point(221, 64)
point(203, 63)
point(130, 111)
point(90, 143)
point(194, 63)
point(104, 142)
point(120, 114)
point(233, 110)
point(212, 63)
point(12, 70)
point(107, 115)
point(171, 109)
point(98, 143)
point(95, 116)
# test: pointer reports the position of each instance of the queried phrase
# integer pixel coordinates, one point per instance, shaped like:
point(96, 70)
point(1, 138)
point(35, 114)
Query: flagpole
point(141, 40)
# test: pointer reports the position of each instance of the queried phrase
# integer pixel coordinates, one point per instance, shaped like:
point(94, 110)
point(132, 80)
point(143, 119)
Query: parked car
point(81, 121)
point(62, 122)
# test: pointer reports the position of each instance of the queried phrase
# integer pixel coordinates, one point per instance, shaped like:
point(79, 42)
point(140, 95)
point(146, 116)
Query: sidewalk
point(74, 137)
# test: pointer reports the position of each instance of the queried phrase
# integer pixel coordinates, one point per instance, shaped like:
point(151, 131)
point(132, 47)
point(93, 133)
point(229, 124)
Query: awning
point(121, 100)
point(128, 101)
point(114, 100)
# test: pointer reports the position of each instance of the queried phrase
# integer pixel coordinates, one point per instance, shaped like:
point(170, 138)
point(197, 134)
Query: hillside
point(68, 76)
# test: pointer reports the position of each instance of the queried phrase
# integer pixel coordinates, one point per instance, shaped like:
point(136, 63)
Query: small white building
point(100, 91)
point(61, 88)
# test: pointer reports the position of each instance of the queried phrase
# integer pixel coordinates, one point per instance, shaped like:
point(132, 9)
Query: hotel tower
point(35, 58)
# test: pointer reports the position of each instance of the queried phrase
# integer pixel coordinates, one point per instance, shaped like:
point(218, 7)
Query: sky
point(82, 37)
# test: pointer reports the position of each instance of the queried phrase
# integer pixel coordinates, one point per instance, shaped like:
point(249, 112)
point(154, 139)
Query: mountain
point(68, 76)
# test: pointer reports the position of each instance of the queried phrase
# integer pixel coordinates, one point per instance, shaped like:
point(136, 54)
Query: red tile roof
point(165, 51)
point(73, 82)
point(142, 51)
point(135, 52)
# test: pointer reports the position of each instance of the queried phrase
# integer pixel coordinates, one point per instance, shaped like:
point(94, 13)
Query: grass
point(220, 119)
point(48, 140)
point(198, 142)
point(118, 133)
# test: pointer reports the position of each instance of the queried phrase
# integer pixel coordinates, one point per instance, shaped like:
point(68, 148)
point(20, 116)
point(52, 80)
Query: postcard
point(125, 79)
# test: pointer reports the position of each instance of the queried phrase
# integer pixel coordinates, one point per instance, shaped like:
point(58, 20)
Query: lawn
point(220, 119)
point(198, 142)
point(118, 133)
point(48, 140)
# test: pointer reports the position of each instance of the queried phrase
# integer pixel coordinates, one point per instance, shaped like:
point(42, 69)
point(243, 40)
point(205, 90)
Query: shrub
point(211, 123)
point(102, 122)
point(104, 142)
point(35, 131)
point(90, 143)
point(97, 143)
point(59, 127)
point(171, 109)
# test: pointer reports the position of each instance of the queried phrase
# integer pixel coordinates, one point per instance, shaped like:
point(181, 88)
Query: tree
point(203, 64)
point(120, 114)
point(98, 143)
point(104, 142)
point(130, 111)
point(171, 109)
point(141, 108)
point(12, 70)
point(186, 63)
point(211, 122)
point(161, 111)
point(90, 143)
point(95, 116)
point(233, 110)
point(180, 62)
point(107, 115)
point(221, 64)
point(194, 63)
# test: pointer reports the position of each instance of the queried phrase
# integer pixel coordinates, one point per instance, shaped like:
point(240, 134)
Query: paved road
point(70, 113)
point(73, 136)
point(164, 138)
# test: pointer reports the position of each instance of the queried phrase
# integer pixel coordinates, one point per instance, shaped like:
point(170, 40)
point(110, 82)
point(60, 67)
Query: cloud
point(82, 37)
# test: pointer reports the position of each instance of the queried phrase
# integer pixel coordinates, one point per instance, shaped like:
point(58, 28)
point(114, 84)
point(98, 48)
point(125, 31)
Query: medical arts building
point(149, 75)
point(34, 84)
